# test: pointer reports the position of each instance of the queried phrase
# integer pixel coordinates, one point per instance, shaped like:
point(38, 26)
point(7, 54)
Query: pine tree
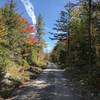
point(42, 44)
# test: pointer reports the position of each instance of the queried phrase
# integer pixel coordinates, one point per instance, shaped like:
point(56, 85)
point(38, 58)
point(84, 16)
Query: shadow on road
point(50, 85)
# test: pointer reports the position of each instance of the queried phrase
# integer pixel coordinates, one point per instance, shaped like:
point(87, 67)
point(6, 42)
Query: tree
point(41, 45)
point(80, 31)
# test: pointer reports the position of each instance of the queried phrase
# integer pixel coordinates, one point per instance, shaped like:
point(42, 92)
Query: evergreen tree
point(80, 28)
point(41, 45)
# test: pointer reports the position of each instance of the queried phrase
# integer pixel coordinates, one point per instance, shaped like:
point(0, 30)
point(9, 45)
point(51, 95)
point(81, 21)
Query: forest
point(78, 47)
point(21, 55)
point(77, 51)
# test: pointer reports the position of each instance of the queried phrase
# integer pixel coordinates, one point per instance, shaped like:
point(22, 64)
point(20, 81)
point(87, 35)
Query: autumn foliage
point(32, 40)
point(21, 21)
point(29, 29)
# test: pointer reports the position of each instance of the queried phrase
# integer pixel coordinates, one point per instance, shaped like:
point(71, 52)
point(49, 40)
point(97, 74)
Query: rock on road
point(50, 85)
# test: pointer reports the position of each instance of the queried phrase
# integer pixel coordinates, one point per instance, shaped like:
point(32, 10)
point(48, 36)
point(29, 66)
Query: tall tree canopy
point(77, 29)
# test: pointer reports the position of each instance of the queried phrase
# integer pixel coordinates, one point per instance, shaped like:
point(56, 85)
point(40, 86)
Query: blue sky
point(49, 9)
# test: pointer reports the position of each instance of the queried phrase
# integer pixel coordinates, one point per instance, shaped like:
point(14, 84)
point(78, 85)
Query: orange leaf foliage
point(21, 20)
point(32, 40)
point(28, 29)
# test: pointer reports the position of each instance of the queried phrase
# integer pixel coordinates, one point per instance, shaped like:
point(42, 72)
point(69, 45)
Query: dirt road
point(50, 85)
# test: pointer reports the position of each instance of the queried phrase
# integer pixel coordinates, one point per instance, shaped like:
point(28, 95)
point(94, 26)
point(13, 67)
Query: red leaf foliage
point(29, 29)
